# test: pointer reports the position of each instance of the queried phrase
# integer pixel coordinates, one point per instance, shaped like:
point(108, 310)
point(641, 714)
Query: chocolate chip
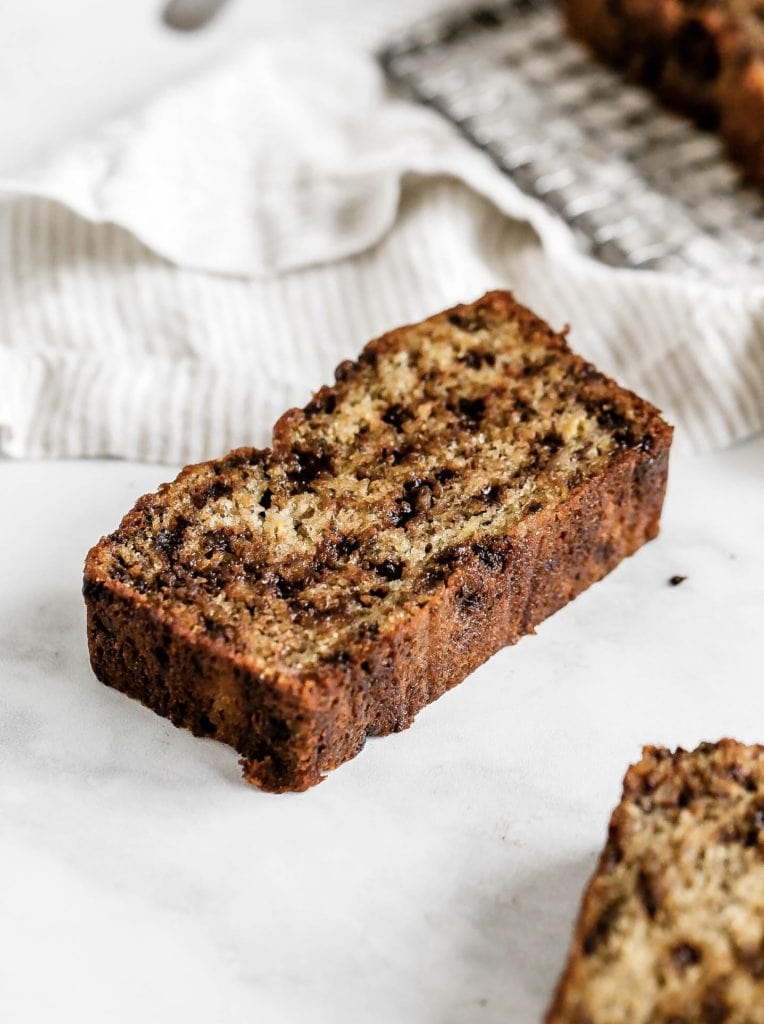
point(599, 932)
point(452, 555)
point(168, 541)
point(552, 441)
point(490, 493)
point(278, 729)
point(754, 826)
point(402, 513)
point(476, 358)
point(467, 322)
point(345, 546)
point(490, 556)
point(205, 726)
point(676, 580)
point(265, 498)
point(321, 403)
point(310, 465)
point(683, 956)
point(685, 796)
point(396, 415)
point(416, 497)
point(470, 410)
point(390, 570)
point(285, 588)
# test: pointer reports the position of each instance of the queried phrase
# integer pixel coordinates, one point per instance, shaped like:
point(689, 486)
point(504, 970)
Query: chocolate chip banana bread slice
point(703, 57)
point(462, 480)
point(671, 930)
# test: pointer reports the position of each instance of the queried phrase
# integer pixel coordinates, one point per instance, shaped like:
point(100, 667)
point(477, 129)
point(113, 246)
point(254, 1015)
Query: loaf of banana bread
point(703, 57)
point(462, 480)
point(671, 930)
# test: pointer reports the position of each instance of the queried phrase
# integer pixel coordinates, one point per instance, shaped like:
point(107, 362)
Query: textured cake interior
point(672, 928)
point(433, 444)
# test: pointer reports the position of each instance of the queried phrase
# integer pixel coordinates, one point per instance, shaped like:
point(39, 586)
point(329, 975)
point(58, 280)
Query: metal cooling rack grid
point(640, 186)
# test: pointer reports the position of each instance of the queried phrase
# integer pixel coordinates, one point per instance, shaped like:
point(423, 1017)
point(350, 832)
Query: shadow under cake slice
point(462, 480)
point(671, 930)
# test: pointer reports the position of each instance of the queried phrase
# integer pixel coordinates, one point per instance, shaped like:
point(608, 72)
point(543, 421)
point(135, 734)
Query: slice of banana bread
point(462, 480)
point(671, 930)
point(703, 57)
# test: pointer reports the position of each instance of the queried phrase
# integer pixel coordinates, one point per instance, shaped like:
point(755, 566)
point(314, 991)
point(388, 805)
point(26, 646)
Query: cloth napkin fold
point(173, 283)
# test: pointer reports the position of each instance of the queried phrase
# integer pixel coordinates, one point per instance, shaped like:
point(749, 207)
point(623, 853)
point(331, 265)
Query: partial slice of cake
point(703, 57)
point(462, 480)
point(671, 930)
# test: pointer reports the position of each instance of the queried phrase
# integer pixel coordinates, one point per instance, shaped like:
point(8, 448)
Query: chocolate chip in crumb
point(467, 322)
point(470, 410)
point(390, 570)
point(490, 493)
point(684, 955)
point(490, 556)
point(598, 934)
point(552, 441)
point(476, 358)
point(310, 464)
point(444, 475)
point(396, 415)
point(321, 403)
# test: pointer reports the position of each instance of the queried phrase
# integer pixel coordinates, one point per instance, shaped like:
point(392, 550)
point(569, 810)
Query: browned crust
point(699, 58)
point(291, 730)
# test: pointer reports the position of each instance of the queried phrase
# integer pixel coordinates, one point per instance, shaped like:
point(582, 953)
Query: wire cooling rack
point(640, 186)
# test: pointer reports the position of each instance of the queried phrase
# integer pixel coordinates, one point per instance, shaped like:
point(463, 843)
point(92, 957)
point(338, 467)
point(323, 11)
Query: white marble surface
point(433, 879)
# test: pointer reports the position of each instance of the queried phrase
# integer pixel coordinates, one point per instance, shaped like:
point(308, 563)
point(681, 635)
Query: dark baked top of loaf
point(672, 927)
point(703, 36)
point(441, 438)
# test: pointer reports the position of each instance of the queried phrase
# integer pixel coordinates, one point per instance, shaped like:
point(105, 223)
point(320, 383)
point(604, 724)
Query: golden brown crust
point(703, 57)
point(671, 927)
point(160, 636)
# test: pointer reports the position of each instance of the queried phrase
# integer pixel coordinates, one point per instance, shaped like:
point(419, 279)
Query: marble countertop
point(434, 878)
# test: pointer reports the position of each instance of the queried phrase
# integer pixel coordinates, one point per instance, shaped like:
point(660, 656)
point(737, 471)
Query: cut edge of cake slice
point(410, 521)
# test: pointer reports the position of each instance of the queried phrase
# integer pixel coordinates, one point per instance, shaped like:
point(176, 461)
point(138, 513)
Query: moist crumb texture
point(459, 482)
point(671, 930)
point(703, 57)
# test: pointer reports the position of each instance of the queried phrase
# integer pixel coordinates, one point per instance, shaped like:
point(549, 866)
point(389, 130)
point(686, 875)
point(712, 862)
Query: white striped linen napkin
point(171, 285)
